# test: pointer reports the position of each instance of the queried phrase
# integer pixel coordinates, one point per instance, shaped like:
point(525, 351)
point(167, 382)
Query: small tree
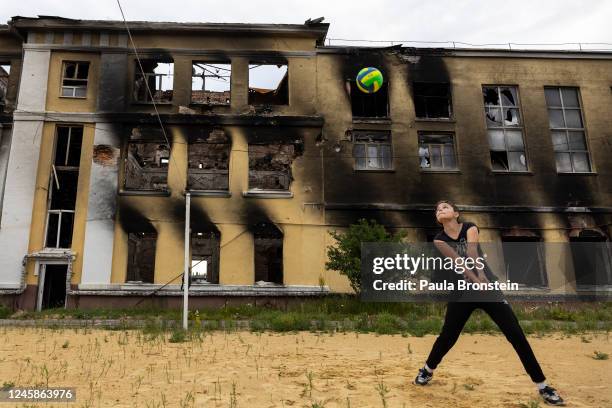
point(345, 255)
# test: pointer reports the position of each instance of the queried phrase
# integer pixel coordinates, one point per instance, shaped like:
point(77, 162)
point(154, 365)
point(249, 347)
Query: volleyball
point(369, 80)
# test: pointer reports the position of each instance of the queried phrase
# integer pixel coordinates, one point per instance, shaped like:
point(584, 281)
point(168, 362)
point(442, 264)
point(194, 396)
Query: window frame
point(138, 73)
point(504, 128)
point(125, 152)
point(59, 212)
point(265, 61)
point(451, 113)
point(366, 144)
point(566, 129)
point(455, 152)
point(214, 62)
point(540, 257)
point(74, 87)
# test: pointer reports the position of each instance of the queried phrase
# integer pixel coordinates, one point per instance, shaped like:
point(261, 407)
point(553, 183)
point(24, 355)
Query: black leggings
point(457, 313)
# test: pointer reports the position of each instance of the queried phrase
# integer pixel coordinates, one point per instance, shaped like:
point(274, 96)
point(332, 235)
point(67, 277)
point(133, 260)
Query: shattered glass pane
point(576, 141)
point(493, 117)
point(83, 70)
point(508, 96)
point(424, 157)
point(563, 162)
point(573, 118)
point(511, 117)
point(570, 97)
point(514, 140)
point(581, 162)
point(490, 95)
point(517, 161)
point(559, 140)
point(69, 70)
point(555, 118)
point(552, 97)
point(496, 139)
point(499, 161)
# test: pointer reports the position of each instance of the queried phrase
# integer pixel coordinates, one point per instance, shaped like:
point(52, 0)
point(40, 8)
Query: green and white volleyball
point(369, 80)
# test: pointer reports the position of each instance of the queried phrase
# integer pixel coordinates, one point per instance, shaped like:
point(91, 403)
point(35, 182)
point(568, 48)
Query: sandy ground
point(243, 369)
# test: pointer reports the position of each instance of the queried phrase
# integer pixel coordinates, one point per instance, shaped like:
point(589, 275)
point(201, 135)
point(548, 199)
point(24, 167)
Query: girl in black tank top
point(457, 313)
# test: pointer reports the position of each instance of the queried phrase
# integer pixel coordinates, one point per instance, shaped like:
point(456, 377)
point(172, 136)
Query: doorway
point(52, 286)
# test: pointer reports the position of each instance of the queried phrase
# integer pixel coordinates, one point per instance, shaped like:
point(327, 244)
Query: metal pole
point(186, 272)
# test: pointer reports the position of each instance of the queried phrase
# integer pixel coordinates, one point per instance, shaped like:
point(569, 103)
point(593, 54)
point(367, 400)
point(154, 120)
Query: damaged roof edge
point(469, 52)
point(318, 30)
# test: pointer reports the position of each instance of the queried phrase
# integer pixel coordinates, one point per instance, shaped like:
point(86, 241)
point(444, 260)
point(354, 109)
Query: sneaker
point(551, 397)
point(423, 377)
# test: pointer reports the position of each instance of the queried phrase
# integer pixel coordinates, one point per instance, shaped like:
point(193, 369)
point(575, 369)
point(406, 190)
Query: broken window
point(567, 130)
point(208, 167)
point(268, 84)
point(372, 105)
point(5, 71)
point(53, 280)
point(504, 128)
point(372, 150)
point(205, 256)
point(211, 83)
point(268, 254)
point(432, 100)
point(270, 165)
point(155, 85)
point(74, 79)
point(437, 151)
point(141, 257)
point(592, 256)
point(63, 187)
point(524, 260)
point(146, 163)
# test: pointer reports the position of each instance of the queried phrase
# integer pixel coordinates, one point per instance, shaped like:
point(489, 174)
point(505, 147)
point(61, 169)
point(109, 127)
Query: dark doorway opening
point(54, 286)
point(592, 256)
point(268, 254)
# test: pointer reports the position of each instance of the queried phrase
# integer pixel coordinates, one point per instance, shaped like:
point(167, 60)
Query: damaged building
point(264, 126)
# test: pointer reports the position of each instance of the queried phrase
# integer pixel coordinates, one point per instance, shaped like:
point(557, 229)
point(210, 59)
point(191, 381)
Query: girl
point(461, 240)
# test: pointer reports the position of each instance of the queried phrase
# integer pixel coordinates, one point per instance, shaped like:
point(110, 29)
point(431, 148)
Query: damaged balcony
point(208, 164)
point(146, 162)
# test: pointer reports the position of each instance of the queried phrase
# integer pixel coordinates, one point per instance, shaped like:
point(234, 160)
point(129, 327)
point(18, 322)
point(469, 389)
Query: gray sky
point(473, 21)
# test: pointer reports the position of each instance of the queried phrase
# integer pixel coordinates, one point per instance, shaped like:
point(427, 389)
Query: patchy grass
point(346, 313)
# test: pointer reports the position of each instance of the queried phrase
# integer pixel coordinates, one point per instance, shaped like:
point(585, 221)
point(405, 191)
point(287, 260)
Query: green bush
point(345, 255)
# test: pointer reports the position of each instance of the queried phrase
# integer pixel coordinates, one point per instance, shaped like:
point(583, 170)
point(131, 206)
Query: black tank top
point(460, 245)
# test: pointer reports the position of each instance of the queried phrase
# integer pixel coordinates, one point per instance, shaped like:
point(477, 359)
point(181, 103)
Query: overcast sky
point(473, 21)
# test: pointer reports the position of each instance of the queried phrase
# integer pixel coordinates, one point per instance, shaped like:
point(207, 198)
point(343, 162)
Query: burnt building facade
point(266, 129)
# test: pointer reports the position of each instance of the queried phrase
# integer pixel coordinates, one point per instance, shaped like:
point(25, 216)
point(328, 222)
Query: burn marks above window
point(432, 100)
point(268, 83)
point(504, 128)
point(208, 167)
point(373, 105)
point(159, 76)
point(270, 165)
point(211, 83)
point(74, 79)
point(146, 161)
